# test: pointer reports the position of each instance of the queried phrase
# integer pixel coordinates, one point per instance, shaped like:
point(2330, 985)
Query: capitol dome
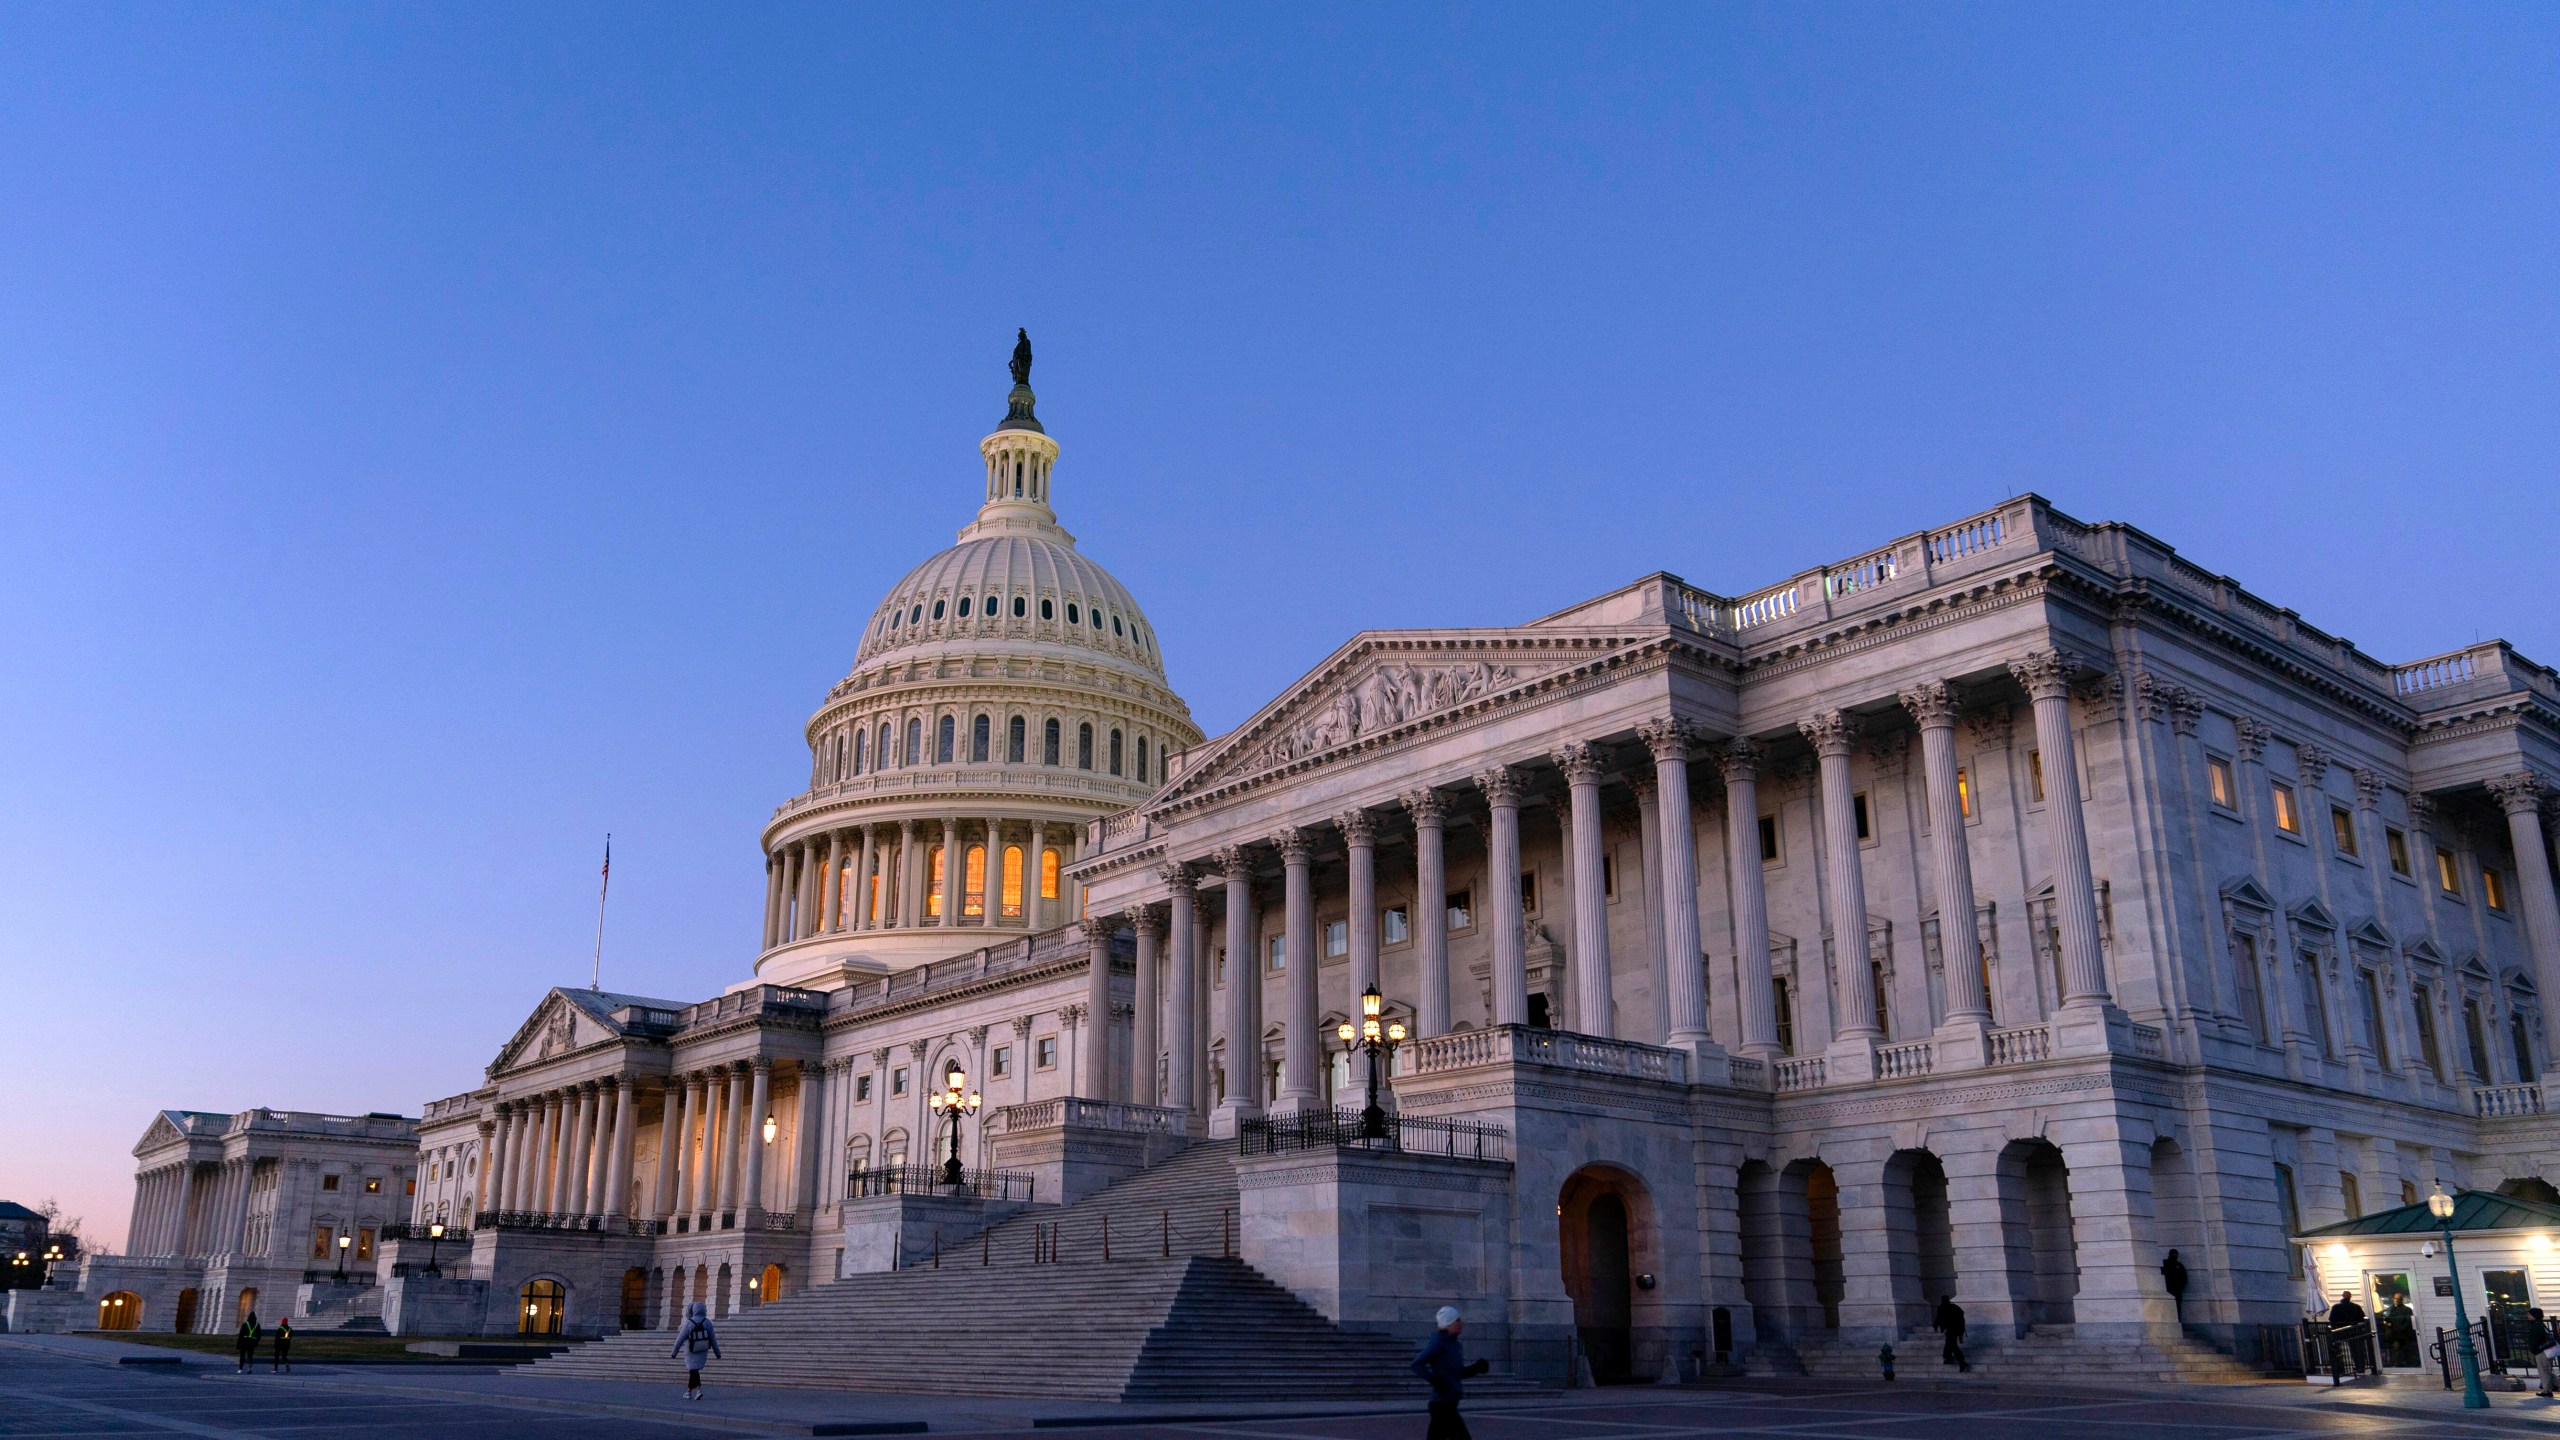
point(1005, 692)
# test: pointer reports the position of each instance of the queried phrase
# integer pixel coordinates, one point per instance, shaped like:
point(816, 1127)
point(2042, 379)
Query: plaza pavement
point(71, 1387)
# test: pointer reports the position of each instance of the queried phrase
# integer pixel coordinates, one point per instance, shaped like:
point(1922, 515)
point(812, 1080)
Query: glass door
point(2395, 1324)
point(2509, 1326)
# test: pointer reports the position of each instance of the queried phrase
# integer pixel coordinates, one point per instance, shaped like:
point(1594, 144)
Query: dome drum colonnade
point(1171, 925)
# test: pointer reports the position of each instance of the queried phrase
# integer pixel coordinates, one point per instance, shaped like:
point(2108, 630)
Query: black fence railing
point(1345, 1126)
point(883, 1180)
point(453, 1235)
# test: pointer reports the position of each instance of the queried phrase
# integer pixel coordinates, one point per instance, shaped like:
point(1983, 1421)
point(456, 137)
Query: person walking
point(249, 1336)
point(2346, 1327)
point(1950, 1323)
point(1443, 1362)
point(2173, 1275)
point(282, 1364)
point(2545, 1344)
point(697, 1342)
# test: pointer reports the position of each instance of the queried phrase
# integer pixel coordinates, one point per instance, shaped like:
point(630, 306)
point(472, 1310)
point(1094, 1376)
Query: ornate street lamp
point(435, 1237)
point(343, 1242)
point(952, 1101)
point(772, 1127)
point(1373, 1040)
point(2440, 1205)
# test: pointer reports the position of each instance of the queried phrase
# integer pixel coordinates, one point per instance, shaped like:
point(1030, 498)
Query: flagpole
point(603, 886)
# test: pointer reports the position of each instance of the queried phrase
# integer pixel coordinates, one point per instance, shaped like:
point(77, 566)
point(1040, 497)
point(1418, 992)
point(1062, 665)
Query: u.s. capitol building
point(1986, 915)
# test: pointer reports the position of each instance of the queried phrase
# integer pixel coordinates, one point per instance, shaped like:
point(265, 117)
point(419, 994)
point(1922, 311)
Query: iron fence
point(928, 1180)
point(1346, 1127)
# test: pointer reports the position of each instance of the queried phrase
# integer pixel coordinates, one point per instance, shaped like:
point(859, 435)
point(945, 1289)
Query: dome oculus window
point(915, 615)
point(1115, 625)
point(992, 608)
point(1097, 619)
point(894, 619)
point(1048, 610)
point(1073, 618)
point(1018, 607)
point(937, 609)
point(964, 607)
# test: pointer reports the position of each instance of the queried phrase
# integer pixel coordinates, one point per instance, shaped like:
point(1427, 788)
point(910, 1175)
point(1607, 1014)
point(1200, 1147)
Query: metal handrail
point(1344, 1127)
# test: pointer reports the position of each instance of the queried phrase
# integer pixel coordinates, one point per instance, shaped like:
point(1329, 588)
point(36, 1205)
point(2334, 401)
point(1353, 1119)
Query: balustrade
point(1529, 1045)
point(2021, 1045)
point(1805, 1073)
point(1902, 1062)
point(2150, 1042)
point(2499, 1102)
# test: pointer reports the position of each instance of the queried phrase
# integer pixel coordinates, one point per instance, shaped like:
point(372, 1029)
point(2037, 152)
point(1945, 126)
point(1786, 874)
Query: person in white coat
point(697, 1342)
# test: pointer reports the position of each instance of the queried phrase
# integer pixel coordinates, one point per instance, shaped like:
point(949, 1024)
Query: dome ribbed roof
point(1062, 598)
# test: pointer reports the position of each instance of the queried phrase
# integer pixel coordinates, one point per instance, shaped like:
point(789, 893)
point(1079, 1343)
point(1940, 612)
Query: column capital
point(2520, 792)
point(919, 1049)
point(1831, 733)
point(1358, 827)
point(1581, 762)
point(2186, 707)
point(2250, 737)
point(1295, 843)
point(1021, 1026)
point(762, 1064)
point(1426, 805)
point(1177, 874)
point(1645, 783)
point(1931, 702)
point(1668, 737)
point(1147, 920)
point(2312, 763)
point(1098, 929)
point(2368, 788)
point(2046, 674)
point(1739, 759)
point(1500, 784)
point(1235, 862)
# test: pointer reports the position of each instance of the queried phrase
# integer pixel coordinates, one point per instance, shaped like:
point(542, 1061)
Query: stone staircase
point(360, 1314)
point(2051, 1354)
point(988, 1319)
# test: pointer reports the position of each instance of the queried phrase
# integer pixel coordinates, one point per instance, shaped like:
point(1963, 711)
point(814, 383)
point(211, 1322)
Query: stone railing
point(756, 1000)
point(1560, 1049)
point(1802, 1074)
point(2499, 1102)
point(1906, 1061)
point(2435, 674)
point(446, 1108)
point(1749, 1073)
point(2022, 1045)
point(1086, 1114)
point(2150, 1042)
point(1966, 539)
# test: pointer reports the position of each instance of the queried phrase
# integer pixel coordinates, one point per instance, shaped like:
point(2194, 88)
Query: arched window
point(1048, 742)
point(1017, 480)
point(895, 617)
point(1048, 608)
point(933, 883)
point(992, 609)
point(544, 1300)
point(1115, 753)
point(964, 607)
point(1115, 625)
point(1084, 746)
point(978, 740)
point(916, 615)
point(937, 609)
point(1013, 736)
point(915, 743)
point(942, 740)
point(1012, 880)
point(861, 739)
point(1142, 757)
point(1018, 607)
point(973, 882)
point(1048, 874)
point(1097, 619)
point(880, 752)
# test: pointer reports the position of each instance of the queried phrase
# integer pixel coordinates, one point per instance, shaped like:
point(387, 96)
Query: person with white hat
point(1443, 1362)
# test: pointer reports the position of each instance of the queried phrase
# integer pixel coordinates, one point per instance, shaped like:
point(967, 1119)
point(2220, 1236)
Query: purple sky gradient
point(433, 437)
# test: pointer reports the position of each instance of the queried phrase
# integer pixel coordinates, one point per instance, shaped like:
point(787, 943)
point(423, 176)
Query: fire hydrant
point(1884, 1357)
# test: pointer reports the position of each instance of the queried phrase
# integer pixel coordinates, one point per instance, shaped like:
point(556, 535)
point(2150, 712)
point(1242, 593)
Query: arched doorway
point(1822, 1230)
point(1918, 1221)
point(248, 1305)
point(1602, 1216)
point(2036, 1231)
point(769, 1285)
point(2531, 1187)
point(635, 1299)
point(541, 1307)
point(187, 1311)
point(120, 1310)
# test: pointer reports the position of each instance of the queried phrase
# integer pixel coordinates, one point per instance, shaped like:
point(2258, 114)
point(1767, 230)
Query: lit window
point(2342, 828)
point(373, 1187)
point(933, 881)
point(973, 880)
point(1393, 925)
point(1046, 1054)
point(2035, 776)
point(2397, 841)
point(323, 1238)
point(2493, 888)
point(364, 1244)
point(1462, 909)
point(1769, 839)
point(2217, 773)
point(2448, 875)
point(1964, 791)
point(1048, 874)
point(1337, 937)
point(2288, 819)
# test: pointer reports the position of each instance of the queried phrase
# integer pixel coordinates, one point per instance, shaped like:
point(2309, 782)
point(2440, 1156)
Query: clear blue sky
point(431, 437)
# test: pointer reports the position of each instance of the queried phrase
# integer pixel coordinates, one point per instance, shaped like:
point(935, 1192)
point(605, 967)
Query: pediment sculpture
point(1384, 698)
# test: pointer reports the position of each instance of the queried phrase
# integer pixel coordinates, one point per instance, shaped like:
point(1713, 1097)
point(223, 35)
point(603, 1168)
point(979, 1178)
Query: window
point(1462, 909)
point(861, 1089)
point(1884, 997)
point(1048, 874)
point(933, 882)
point(1337, 938)
point(2352, 1192)
point(2287, 819)
point(1115, 752)
point(991, 608)
point(2314, 1006)
point(1964, 791)
point(1218, 967)
point(2218, 782)
point(1013, 738)
point(978, 740)
point(1048, 742)
point(1768, 839)
point(2035, 777)
point(1084, 746)
point(1142, 757)
point(2448, 874)
point(916, 615)
point(2290, 1207)
point(898, 1081)
point(2369, 991)
point(1609, 874)
point(1394, 925)
point(1048, 608)
point(2422, 1017)
point(1528, 892)
point(2474, 1040)
point(964, 607)
point(1074, 615)
point(1045, 1052)
point(2493, 888)
point(2520, 1039)
point(2397, 842)
point(1278, 958)
point(1018, 607)
point(915, 744)
point(1000, 1063)
point(328, 1182)
point(2408, 1192)
point(1858, 806)
point(1786, 1014)
point(860, 737)
point(1011, 894)
point(364, 1244)
point(2342, 829)
point(1096, 617)
point(1115, 624)
point(973, 880)
point(323, 1238)
point(944, 734)
point(373, 1187)
point(937, 609)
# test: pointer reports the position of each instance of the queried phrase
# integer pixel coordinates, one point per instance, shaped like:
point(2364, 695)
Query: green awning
point(2479, 1210)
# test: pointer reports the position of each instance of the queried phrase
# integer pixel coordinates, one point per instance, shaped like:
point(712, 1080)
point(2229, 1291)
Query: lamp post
point(343, 1242)
point(772, 1127)
point(435, 1238)
point(952, 1101)
point(1372, 1039)
point(2440, 1205)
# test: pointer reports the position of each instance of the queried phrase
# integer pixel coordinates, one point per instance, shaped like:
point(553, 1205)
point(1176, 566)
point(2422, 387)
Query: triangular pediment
point(2312, 915)
point(1384, 684)
point(162, 1131)
point(2241, 890)
point(2369, 931)
point(2426, 953)
point(557, 1026)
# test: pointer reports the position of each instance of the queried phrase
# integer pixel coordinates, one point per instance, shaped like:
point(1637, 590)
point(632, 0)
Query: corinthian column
point(617, 1178)
point(1430, 911)
point(1833, 736)
point(1034, 853)
point(772, 900)
point(1181, 994)
point(1093, 1055)
point(1960, 1039)
point(1595, 1000)
point(751, 1195)
point(1501, 787)
point(1148, 921)
point(862, 917)
point(955, 877)
point(2521, 796)
point(1683, 954)
point(1243, 1097)
point(1740, 766)
point(1360, 838)
point(1301, 1059)
point(832, 885)
point(2046, 675)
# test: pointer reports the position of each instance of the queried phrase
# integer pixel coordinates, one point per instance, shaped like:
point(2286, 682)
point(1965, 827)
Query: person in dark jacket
point(249, 1336)
point(2538, 1334)
point(1443, 1362)
point(2346, 1328)
point(283, 1362)
point(1950, 1323)
point(2173, 1275)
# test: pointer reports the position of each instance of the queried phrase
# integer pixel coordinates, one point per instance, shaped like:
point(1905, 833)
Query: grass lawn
point(312, 1345)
